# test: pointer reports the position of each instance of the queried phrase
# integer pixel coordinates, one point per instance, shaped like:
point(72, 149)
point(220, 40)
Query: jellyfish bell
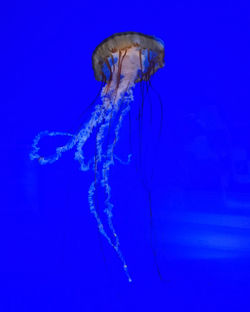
point(124, 41)
point(119, 62)
point(125, 58)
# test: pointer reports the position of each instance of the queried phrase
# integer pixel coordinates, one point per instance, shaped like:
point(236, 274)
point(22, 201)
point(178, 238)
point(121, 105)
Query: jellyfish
point(119, 62)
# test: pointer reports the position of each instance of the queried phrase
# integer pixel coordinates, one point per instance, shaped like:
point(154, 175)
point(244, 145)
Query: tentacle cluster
point(99, 163)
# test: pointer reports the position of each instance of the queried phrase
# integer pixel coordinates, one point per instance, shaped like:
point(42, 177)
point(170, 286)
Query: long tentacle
point(35, 155)
point(105, 182)
point(79, 139)
point(92, 189)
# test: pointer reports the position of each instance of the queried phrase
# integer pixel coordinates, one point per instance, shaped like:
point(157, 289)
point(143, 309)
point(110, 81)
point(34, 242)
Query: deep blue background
point(52, 255)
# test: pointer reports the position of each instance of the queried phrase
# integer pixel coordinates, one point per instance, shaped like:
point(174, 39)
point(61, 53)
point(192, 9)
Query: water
point(52, 256)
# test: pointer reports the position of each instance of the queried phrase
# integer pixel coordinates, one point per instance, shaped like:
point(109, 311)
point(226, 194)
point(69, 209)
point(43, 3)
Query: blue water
point(192, 253)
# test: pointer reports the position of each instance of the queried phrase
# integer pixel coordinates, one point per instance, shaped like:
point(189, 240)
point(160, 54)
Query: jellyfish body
point(119, 62)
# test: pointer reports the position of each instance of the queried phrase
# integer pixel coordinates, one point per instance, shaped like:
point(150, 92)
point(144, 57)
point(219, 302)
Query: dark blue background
point(52, 255)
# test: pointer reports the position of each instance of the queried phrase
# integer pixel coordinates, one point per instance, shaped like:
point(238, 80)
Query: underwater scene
point(126, 157)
